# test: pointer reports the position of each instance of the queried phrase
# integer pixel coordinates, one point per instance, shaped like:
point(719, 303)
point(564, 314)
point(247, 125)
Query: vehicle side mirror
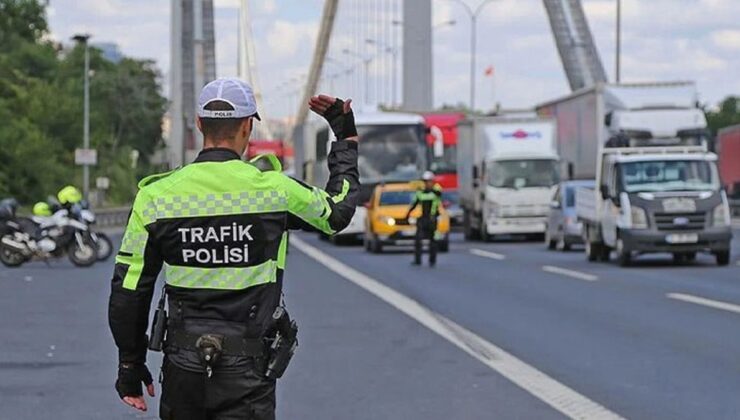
point(554, 204)
point(604, 192)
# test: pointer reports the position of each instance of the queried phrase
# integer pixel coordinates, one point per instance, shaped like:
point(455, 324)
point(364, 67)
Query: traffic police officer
point(218, 227)
point(430, 199)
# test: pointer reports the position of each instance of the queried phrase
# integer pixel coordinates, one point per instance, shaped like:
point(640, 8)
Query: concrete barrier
point(112, 217)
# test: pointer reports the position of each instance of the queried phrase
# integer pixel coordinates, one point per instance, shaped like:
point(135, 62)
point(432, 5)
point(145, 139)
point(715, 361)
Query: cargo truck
point(507, 168)
point(728, 143)
point(657, 185)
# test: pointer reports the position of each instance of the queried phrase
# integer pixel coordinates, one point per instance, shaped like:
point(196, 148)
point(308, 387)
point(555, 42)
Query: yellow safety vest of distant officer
point(430, 199)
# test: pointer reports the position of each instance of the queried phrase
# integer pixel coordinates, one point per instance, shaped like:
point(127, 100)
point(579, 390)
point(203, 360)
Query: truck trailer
point(729, 159)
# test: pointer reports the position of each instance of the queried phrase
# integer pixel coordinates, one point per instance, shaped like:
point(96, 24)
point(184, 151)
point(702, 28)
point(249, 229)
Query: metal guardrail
point(112, 217)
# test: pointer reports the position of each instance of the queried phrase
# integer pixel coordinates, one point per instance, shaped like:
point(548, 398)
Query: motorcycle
point(103, 243)
point(23, 239)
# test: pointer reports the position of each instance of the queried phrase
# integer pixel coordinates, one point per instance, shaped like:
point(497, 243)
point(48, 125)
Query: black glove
point(343, 125)
point(130, 377)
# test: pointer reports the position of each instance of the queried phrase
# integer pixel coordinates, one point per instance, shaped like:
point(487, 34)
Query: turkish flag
point(489, 71)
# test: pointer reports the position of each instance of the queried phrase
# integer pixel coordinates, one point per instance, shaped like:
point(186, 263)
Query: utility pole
point(618, 70)
point(366, 60)
point(473, 14)
point(83, 39)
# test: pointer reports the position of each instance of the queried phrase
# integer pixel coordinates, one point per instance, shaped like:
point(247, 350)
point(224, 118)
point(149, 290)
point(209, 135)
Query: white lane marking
point(558, 396)
point(716, 304)
point(570, 273)
point(487, 254)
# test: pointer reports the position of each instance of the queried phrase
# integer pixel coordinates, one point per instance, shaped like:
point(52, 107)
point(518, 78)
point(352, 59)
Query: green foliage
point(726, 115)
point(41, 109)
point(21, 20)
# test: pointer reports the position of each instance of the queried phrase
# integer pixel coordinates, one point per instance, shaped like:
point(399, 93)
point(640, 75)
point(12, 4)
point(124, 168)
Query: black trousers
point(187, 395)
point(425, 229)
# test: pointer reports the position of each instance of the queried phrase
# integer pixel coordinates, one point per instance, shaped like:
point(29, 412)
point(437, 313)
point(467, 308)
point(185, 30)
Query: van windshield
point(523, 173)
point(671, 175)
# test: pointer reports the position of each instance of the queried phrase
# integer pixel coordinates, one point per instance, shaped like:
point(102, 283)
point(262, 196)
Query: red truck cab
point(261, 147)
point(441, 143)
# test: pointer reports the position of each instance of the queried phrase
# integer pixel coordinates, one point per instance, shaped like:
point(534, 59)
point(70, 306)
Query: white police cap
point(234, 92)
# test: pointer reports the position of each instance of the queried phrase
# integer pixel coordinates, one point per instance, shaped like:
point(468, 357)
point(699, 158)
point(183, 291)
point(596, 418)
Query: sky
point(662, 40)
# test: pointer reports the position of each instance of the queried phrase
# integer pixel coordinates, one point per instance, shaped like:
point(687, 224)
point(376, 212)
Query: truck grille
point(523, 210)
point(680, 221)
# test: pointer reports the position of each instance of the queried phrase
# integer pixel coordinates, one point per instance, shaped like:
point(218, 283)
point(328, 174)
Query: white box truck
point(507, 168)
point(657, 185)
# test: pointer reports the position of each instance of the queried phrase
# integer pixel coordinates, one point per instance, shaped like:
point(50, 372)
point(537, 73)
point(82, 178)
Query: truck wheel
point(624, 256)
point(470, 233)
point(591, 254)
point(723, 257)
point(484, 236)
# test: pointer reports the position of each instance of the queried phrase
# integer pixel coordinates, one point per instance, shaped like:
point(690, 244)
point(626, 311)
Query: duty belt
point(232, 345)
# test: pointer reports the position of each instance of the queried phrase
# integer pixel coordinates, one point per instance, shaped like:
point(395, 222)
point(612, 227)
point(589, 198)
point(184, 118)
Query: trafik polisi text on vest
point(234, 233)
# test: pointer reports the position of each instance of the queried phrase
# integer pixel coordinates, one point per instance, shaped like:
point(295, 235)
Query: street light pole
point(473, 14)
point(83, 39)
point(394, 51)
point(394, 57)
point(366, 60)
point(619, 41)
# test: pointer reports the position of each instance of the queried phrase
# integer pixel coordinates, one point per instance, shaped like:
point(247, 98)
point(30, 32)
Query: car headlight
point(387, 220)
point(639, 218)
point(721, 216)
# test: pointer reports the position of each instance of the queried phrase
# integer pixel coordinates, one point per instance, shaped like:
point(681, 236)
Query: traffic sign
point(86, 157)
point(102, 182)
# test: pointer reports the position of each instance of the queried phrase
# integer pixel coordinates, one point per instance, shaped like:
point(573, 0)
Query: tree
point(727, 114)
point(21, 20)
point(41, 106)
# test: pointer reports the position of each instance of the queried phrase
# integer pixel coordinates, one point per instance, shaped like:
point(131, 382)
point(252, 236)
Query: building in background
point(111, 51)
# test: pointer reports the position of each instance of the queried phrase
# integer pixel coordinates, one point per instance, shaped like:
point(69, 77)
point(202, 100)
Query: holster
point(284, 344)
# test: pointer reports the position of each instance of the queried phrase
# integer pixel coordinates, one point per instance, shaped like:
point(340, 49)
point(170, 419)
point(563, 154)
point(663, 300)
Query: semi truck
point(507, 168)
point(657, 186)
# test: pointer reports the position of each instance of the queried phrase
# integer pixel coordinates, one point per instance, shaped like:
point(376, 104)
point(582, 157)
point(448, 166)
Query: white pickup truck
point(664, 199)
point(657, 185)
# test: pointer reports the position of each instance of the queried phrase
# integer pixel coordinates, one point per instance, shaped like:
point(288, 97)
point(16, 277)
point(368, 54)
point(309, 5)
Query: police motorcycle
point(23, 239)
point(70, 198)
point(81, 212)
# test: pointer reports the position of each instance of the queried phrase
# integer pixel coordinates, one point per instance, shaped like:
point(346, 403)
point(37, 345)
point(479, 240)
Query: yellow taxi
point(386, 222)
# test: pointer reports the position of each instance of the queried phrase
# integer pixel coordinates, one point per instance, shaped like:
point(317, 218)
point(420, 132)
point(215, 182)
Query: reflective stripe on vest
point(223, 278)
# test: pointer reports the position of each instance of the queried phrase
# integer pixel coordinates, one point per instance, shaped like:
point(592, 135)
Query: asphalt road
point(652, 341)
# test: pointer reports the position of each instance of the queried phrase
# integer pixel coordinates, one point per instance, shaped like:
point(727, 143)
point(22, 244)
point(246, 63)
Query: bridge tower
point(192, 64)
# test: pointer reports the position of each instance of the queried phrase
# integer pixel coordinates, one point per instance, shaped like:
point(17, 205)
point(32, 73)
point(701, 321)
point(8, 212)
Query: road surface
point(497, 330)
